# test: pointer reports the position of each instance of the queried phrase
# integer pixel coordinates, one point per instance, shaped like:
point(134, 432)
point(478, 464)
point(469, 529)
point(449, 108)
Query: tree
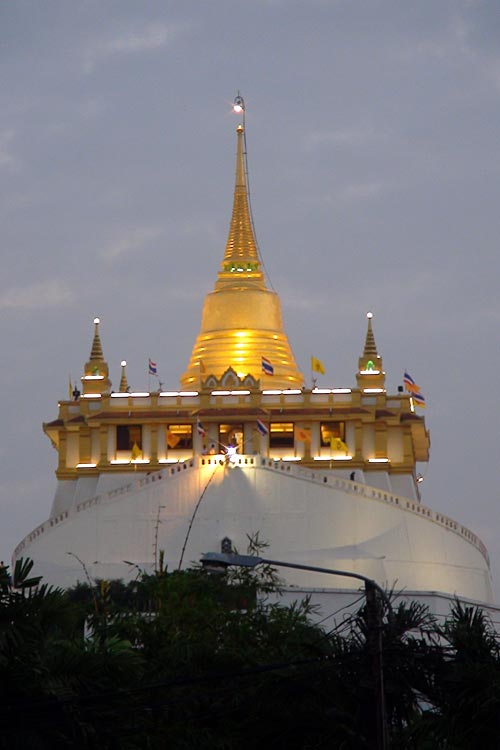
point(186, 660)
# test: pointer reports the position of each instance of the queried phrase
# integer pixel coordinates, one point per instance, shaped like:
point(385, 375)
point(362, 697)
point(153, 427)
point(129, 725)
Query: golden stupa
point(241, 321)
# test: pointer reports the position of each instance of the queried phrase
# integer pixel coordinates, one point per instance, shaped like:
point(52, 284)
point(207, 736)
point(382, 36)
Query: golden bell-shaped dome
point(241, 325)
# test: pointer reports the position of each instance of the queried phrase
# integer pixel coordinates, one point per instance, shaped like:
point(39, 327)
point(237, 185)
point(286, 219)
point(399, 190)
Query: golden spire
point(95, 379)
point(123, 380)
point(370, 373)
point(241, 321)
point(241, 261)
point(96, 351)
point(370, 347)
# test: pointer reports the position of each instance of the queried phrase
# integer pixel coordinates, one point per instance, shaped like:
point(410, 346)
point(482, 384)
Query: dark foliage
point(186, 660)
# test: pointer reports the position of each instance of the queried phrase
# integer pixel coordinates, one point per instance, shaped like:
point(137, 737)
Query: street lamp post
point(220, 561)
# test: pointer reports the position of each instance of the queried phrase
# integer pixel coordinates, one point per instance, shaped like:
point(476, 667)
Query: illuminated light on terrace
point(373, 390)
point(120, 461)
point(230, 393)
point(86, 466)
point(291, 458)
point(140, 461)
point(378, 460)
point(333, 458)
point(139, 394)
point(168, 461)
point(321, 390)
point(272, 393)
point(91, 395)
point(291, 391)
point(120, 395)
point(92, 377)
point(341, 390)
point(369, 372)
point(188, 393)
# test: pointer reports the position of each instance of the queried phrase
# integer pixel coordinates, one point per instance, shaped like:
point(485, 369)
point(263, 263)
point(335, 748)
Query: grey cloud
point(128, 241)
point(149, 38)
point(41, 294)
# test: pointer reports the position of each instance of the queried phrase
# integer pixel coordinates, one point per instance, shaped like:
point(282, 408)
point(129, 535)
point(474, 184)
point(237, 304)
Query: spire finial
point(123, 380)
point(96, 351)
point(95, 378)
point(370, 375)
point(370, 346)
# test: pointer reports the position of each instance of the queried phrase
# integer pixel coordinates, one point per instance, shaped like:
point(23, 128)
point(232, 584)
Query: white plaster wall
point(303, 521)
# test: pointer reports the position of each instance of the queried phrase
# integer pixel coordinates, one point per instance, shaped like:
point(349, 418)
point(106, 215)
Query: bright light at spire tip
point(124, 362)
point(238, 105)
point(369, 315)
point(97, 320)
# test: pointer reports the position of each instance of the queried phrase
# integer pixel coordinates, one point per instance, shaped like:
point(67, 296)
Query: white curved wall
point(306, 517)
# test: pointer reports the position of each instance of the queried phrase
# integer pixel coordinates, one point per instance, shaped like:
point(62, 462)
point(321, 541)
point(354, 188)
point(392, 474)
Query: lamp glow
point(238, 105)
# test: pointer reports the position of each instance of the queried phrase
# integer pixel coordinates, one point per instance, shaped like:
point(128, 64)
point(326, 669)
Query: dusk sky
point(373, 133)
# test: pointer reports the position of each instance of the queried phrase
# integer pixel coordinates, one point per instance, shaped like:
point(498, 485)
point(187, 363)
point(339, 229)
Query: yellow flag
point(172, 439)
point(70, 389)
point(317, 366)
point(136, 451)
point(303, 434)
point(336, 444)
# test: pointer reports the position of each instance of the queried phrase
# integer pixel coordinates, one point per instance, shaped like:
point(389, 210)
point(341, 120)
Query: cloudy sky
point(373, 140)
